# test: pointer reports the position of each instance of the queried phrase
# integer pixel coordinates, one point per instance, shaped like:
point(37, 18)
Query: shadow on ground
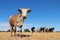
point(22, 35)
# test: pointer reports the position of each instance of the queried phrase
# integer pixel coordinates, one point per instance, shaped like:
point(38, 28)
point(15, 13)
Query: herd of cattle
point(42, 29)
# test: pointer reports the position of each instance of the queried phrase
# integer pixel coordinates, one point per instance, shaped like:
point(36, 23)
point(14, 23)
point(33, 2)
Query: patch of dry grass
point(30, 36)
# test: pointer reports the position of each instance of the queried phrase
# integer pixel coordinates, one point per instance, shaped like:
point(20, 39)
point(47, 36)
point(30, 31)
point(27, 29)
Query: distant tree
point(0, 31)
point(33, 29)
point(57, 31)
point(8, 30)
point(26, 30)
point(3, 31)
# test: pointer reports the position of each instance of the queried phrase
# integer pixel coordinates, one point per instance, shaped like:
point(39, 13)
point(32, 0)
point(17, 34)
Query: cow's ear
point(28, 11)
point(20, 10)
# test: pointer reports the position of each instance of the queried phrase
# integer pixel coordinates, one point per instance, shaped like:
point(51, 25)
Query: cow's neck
point(20, 15)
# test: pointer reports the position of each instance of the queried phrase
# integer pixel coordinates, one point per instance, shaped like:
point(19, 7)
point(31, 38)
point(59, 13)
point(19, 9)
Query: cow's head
point(24, 12)
point(53, 28)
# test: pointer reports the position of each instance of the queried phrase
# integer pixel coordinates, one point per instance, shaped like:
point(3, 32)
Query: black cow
point(51, 29)
point(32, 29)
point(42, 29)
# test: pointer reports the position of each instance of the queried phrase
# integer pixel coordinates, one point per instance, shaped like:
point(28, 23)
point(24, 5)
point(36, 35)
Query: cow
point(38, 30)
point(18, 19)
point(46, 29)
point(32, 29)
point(50, 29)
point(42, 29)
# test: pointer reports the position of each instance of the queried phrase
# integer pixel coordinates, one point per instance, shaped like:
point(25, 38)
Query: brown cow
point(18, 19)
point(49, 29)
point(38, 30)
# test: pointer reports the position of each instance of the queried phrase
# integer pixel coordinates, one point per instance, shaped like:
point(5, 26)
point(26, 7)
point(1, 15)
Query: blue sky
point(43, 13)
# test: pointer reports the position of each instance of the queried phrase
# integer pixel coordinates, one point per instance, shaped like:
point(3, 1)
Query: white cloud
point(4, 26)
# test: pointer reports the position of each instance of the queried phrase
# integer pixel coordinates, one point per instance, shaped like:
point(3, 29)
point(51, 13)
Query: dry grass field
point(30, 36)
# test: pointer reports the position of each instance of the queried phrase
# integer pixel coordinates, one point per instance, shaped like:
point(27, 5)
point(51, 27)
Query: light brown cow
point(18, 19)
point(38, 30)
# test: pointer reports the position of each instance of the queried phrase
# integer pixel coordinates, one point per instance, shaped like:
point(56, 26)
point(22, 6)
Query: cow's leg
point(14, 31)
point(11, 30)
point(44, 30)
point(21, 30)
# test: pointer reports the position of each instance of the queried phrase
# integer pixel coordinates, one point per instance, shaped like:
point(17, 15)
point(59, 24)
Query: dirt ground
point(30, 36)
